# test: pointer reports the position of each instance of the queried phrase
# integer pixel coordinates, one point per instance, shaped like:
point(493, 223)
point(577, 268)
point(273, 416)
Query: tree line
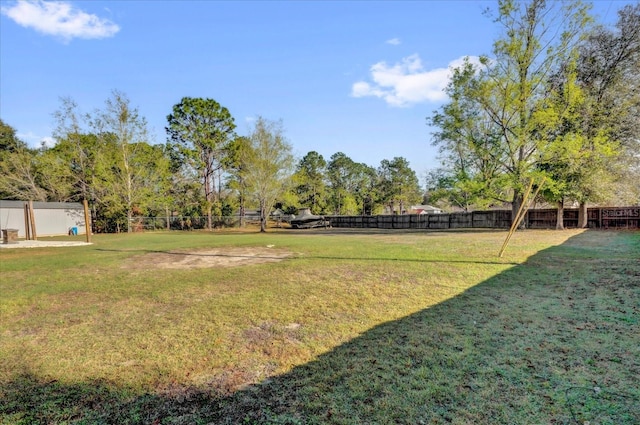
point(557, 102)
point(205, 169)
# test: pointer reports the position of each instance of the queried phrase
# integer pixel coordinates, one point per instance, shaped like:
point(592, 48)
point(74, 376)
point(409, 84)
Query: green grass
point(356, 327)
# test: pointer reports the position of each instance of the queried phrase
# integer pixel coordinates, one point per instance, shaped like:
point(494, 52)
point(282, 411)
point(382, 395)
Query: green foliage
point(9, 142)
point(607, 67)
point(559, 99)
point(56, 177)
point(202, 131)
point(200, 128)
point(353, 186)
point(130, 168)
point(459, 191)
point(204, 169)
point(79, 149)
point(267, 165)
point(398, 184)
point(490, 130)
point(469, 145)
point(310, 183)
point(589, 117)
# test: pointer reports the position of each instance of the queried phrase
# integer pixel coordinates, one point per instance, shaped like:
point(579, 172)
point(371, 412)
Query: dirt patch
point(207, 258)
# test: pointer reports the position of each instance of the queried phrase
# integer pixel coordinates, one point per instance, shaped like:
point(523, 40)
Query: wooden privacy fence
point(597, 218)
point(476, 219)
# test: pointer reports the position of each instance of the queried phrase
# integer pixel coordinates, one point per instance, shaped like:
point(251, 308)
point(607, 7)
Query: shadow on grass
point(553, 340)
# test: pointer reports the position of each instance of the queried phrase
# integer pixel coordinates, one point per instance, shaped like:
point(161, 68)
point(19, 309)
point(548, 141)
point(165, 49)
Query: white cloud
point(35, 141)
point(48, 142)
point(407, 82)
point(393, 41)
point(60, 19)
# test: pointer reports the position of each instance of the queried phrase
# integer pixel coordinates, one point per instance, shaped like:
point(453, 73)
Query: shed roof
point(42, 205)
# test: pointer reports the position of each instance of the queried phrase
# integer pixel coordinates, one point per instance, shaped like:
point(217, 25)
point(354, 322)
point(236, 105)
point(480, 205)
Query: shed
point(51, 218)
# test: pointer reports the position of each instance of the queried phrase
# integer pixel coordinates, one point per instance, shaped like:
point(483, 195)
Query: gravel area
point(41, 244)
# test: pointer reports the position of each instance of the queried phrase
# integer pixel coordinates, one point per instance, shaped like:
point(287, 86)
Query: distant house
point(425, 209)
point(51, 218)
point(249, 214)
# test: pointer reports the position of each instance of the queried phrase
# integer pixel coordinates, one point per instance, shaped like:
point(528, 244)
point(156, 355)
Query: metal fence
point(140, 224)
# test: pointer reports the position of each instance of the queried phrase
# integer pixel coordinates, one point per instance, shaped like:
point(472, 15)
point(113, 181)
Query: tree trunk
point(583, 219)
point(263, 217)
point(515, 208)
point(208, 189)
point(560, 216)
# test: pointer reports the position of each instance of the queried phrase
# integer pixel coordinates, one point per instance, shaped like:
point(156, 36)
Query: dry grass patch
point(206, 258)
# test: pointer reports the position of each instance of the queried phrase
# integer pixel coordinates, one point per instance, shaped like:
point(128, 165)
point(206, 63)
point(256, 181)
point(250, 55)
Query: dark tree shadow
point(553, 340)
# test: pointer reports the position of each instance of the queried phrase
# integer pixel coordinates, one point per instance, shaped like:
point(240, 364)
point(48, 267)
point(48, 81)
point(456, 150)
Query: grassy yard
point(352, 327)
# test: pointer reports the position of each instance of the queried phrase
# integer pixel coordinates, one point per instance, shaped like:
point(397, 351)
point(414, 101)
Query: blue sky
point(358, 77)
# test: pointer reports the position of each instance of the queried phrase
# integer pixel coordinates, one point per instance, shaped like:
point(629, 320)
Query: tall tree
point(310, 182)
point(398, 184)
point(121, 127)
point(468, 142)
point(56, 177)
point(237, 178)
point(341, 171)
point(267, 165)
point(563, 161)
point(353, 186)
point(365, 188)
point(607, 72)
point(78, 148)
point(592, 116)
point(202, 130)
point(507, 92)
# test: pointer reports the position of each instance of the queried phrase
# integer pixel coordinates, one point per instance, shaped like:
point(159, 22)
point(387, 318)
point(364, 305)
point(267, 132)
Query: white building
point(51, 218)
point(425, 209)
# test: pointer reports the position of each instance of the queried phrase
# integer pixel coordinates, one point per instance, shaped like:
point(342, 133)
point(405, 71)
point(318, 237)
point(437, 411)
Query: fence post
point(32, 219)
point(87, 222)
point(599, 218)
point(27, 230)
